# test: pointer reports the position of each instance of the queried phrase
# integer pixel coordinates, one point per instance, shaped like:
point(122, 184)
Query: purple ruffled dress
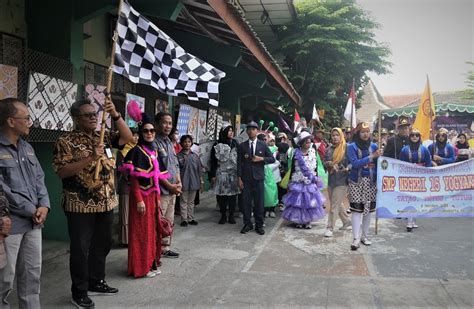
point(304, 202)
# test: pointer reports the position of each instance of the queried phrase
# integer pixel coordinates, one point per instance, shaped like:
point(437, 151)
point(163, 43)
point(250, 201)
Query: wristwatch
point(117, 117)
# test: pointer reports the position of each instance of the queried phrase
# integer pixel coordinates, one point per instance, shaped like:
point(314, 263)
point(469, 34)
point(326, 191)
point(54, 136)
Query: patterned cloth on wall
point(193, 123)
point(8, 81)
point(202, 134)
point(183, 119)
point(96, 94)
point(211, 123)
point(141, 102)
point(49, 100)
point(219, 122)
point(161, 106)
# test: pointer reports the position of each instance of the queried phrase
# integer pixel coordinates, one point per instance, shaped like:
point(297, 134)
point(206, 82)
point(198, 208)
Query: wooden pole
point(108, 89)
point(379, 141)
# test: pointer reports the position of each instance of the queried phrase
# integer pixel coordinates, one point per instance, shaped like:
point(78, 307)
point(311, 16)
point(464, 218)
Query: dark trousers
point(225, 201)
point(253, 191)
point(90, 237)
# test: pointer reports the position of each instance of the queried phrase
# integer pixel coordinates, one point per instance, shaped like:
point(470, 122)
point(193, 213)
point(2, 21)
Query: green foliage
point(330, 44)
point(469, 92)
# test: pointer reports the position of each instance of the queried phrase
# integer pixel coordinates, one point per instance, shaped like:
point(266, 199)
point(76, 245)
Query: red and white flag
point(350, 111)
point(296, 121)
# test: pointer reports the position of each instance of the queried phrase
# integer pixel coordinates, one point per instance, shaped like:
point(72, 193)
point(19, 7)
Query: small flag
point(315, 115)
point(426, 113)
point(296, 122)
point(146, 55)
point(283, 124)
point(350, 111)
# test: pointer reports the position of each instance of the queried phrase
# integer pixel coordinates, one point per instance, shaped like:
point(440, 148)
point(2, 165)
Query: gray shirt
point(190, 169)
point(22, 179)
point(338, 178)
point(168, 160)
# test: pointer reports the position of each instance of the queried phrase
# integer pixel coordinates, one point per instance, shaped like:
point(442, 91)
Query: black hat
point(252, 124)
point(403, 121)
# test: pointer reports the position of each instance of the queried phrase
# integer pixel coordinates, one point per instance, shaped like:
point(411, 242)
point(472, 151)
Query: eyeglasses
point(90, 115)
point(146, 131)
point(415, 134)
point(27, 118)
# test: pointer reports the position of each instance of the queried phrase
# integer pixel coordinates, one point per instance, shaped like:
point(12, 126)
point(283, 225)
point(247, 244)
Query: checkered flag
point(146, 55)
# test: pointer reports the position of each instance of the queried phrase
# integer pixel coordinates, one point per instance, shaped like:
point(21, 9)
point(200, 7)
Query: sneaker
point(266, 214)
point(82, 302)
point(355, 244)
point(328, 233)
point(170, 254)
point(415, 226)
point(184, 223)
point(308, 226)
point(272, 214)
point(193, 222)
point(156, 271)
point(151, 274)
point(365, 241)
point(102, 288)
point(409, 228)
point(346, 226)
point(299, 226)
point(281, 206)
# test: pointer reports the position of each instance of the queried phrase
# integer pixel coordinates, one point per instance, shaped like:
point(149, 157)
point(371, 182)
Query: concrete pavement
point(219, 267)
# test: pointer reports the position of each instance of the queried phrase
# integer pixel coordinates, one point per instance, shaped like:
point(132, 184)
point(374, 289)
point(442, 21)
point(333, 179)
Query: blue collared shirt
point(22, 179)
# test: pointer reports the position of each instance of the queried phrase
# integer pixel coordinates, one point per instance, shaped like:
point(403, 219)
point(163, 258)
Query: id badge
point(108, 153)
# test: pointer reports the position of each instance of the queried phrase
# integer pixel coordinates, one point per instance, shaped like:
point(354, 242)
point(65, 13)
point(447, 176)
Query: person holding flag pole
point(84, 161)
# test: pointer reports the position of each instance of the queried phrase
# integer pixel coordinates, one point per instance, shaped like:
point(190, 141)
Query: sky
point(426, 37)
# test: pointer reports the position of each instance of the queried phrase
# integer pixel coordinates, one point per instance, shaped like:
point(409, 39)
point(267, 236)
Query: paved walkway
point(219, 267)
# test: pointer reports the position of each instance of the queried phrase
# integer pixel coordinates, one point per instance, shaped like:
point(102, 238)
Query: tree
point(469, 92)
point(330, 44)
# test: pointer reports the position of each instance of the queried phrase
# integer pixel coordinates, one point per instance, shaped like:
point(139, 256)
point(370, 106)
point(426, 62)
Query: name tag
point(108, 153)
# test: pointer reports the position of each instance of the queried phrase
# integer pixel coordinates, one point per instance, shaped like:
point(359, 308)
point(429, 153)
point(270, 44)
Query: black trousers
point(90, 237)
point(253, 191)
point(227, 200)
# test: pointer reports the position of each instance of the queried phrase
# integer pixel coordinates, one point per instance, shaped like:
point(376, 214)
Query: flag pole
point(353, 105)
point(431, 113)
point(379, 142)
point(108, 89)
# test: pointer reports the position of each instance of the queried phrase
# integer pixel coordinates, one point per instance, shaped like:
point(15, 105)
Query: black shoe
point(184, 223)
point(170, 254)
point(409, 229)
point(231, 220)
point(222, 220)
point(82, 302)
point(247, 228)
point(193, 222)
point(260, 230)
point(102, 288)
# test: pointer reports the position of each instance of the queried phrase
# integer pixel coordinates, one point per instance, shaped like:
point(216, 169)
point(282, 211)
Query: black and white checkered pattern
point(146, 55)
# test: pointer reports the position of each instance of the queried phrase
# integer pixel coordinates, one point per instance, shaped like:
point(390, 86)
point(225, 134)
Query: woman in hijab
point(416, 153)
point(336, 164)
point(464, 153)
point(362, 155)
point(441, 151)
point(224, 173)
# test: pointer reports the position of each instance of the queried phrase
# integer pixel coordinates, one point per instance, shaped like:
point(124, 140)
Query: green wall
point(55, 226)
point(97, 47)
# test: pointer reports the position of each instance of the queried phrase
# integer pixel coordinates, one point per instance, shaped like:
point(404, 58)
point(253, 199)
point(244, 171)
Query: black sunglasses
point(90, 115)
point(148, 131)
point(414, 134)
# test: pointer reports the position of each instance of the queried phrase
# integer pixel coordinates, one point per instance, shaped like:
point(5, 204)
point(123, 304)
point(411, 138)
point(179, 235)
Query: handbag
point(166, 228)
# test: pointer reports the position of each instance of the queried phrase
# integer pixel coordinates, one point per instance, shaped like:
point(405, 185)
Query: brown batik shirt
point(80, 192)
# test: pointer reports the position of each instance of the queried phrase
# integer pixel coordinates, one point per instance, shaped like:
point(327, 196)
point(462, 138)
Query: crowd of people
point(158, 170)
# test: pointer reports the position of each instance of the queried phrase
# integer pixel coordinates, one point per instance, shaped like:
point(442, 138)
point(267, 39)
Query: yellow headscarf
point(340, 149)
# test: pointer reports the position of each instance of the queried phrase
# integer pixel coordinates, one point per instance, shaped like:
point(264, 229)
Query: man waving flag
point(146, 55)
